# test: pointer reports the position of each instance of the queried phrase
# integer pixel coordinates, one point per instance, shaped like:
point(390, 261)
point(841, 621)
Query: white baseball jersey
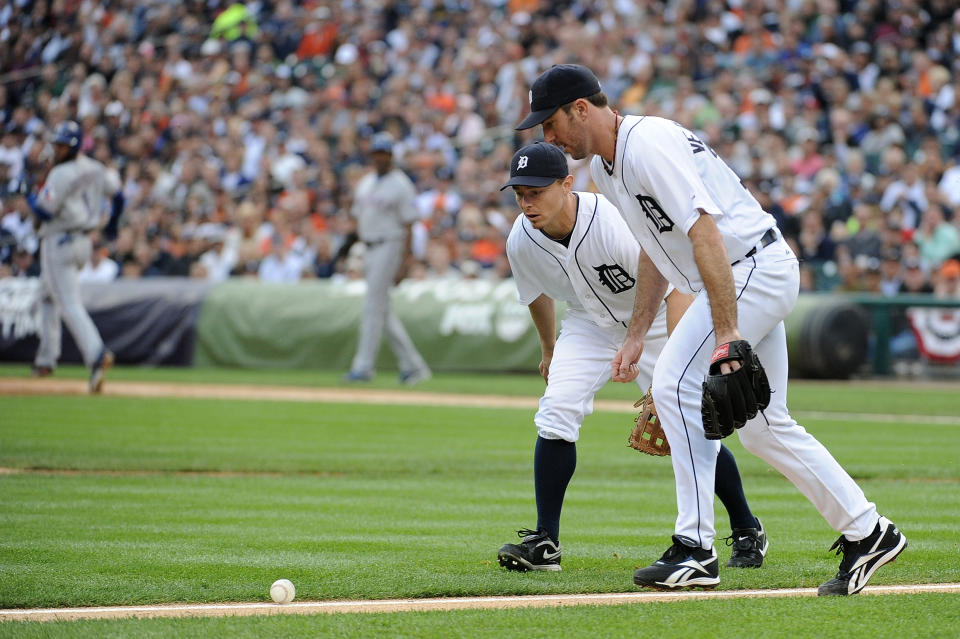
point(384, 206)
point(594, 275)
point(74, 194)
point(662, 175)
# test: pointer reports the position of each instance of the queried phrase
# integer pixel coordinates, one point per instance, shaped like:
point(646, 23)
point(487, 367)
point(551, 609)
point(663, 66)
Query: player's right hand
point(624, 365)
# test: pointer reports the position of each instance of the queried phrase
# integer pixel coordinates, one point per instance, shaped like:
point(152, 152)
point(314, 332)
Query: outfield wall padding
point(471, 325)
point(149, 321)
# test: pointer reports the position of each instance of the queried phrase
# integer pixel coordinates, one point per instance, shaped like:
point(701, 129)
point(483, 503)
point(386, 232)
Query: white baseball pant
point(766, 285)
point(581, 366)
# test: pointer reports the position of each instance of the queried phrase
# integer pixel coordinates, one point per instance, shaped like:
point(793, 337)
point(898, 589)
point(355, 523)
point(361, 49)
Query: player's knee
point(755, 435)
point(557, 426)
point(667, 389)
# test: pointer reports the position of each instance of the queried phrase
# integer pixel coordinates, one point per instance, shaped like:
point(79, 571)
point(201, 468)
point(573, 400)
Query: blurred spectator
point(948, 281)
point(218, 260)
point(23, 264)
point(936, 238)
point(100, 268)
point(915, 281)
point(891, 278)
point(281, 264)
point(256, 117)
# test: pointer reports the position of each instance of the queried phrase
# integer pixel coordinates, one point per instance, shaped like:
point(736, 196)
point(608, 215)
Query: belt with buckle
point(768, 238)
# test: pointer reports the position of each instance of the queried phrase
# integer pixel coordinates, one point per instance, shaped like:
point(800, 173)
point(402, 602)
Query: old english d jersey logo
point(615, 278)
point(655, 213)
point(522, 162)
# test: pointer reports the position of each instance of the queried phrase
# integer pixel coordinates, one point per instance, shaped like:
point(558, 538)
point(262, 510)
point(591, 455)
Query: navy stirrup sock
point(554, 461)
point(729, 489)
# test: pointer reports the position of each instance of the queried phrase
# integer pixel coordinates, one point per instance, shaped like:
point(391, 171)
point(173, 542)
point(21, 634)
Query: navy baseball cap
point(558, 85)
point(537, 164)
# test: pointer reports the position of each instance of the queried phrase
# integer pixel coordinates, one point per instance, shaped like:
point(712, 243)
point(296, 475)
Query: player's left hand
point(728, 367)
point(624, 365)
point(544, 367)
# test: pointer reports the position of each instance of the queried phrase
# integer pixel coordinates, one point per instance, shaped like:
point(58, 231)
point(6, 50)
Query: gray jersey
point(384, 206)
point(74, 194)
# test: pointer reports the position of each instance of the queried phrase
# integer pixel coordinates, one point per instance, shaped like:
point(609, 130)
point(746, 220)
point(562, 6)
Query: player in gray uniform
point(383, 205)
point(70, 206)
point(704, 232)
point(575, 247)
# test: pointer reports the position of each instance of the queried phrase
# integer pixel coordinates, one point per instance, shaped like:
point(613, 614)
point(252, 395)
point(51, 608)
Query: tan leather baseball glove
point(648, 436)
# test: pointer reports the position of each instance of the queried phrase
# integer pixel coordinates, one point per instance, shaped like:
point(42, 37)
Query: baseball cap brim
point(529, 180)
point(535, 118)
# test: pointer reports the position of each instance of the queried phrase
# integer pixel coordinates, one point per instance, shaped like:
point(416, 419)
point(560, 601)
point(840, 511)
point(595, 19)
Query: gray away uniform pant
point(61, 256)
point(381, 261)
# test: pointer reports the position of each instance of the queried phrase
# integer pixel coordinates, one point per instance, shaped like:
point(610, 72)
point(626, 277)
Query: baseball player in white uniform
point(384, 208)
point(701, 230)
point(575, 247)
point(70, 206)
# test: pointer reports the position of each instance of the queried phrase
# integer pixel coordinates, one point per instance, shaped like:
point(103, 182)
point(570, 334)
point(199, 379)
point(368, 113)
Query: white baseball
point(282, 591)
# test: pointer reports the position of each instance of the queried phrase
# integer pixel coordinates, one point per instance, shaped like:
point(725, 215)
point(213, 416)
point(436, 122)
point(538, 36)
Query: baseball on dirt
point(282, 591)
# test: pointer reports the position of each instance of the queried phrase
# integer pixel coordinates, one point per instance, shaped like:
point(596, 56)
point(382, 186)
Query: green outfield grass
point(883, 398)
point(186, 500)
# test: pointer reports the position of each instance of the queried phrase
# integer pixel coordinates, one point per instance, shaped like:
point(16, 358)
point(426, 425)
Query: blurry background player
point(70, 206)
point(384, 207)
point(575, 247)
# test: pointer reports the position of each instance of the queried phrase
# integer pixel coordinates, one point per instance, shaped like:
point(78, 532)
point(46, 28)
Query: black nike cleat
point(536, 551)
point(750, 546)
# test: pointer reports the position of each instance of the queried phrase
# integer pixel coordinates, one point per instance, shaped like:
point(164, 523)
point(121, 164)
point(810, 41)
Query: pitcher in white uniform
point(575, 247)
point(70, 206)
point(703, 232)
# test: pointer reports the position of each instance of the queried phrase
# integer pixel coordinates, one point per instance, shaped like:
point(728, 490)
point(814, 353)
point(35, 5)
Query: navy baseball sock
point(729, 489)
point(554, 461)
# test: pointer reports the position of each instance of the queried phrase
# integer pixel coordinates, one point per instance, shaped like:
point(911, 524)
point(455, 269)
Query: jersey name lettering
point(696, 144)
point(615, 278)
point(655, 213)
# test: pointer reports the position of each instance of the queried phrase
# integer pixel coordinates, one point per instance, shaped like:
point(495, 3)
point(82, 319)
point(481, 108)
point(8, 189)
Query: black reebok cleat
point(749, 547)
point(862, 558)
point(536, 551)
point(684, 565)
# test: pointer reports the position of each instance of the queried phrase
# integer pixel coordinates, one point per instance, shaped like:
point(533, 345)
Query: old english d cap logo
point(537, 164)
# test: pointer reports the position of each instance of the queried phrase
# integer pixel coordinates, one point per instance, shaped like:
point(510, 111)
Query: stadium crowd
point(240, 130)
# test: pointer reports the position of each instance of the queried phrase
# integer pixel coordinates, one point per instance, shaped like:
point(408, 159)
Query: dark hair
point(597, 100)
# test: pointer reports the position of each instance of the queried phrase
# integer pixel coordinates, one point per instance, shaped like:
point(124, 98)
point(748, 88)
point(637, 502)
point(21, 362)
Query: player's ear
point(567, 182)
point(581, 107)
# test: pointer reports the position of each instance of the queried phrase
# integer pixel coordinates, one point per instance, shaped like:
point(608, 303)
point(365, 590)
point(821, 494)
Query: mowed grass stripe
point(191, 435)
point(883, 397)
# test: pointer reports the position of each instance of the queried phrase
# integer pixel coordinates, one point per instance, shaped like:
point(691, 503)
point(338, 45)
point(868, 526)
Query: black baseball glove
point(730, 400)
